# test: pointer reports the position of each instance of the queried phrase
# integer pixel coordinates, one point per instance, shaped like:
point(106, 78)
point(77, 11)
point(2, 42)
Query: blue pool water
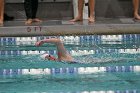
point(111, 65)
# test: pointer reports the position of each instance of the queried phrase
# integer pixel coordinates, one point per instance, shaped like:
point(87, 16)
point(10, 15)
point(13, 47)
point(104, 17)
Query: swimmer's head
point(48, 57)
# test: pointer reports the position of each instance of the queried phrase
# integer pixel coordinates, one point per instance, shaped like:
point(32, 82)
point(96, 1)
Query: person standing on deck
point(1, 12)
point(80, 11)
point(136, 9)
point(31, 7)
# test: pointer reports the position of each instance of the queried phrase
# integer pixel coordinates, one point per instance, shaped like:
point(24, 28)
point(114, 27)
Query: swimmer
point(63, 55)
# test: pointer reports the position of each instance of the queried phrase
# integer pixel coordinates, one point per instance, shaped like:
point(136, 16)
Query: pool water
point(111, 65)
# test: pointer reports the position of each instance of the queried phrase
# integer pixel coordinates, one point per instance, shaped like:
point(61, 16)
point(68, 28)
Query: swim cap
point(44, 56)
point(48, 56)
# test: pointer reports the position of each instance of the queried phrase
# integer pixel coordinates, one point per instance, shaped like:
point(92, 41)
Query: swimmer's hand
point(50, 40)
point(39, 43)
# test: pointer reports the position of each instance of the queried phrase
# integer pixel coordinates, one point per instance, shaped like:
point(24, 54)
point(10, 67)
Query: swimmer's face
point(50, 57)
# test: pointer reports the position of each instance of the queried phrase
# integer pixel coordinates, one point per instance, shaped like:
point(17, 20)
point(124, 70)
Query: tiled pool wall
point(77, 40)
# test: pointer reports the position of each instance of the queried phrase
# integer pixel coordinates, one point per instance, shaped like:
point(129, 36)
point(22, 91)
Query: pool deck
point(102, 26)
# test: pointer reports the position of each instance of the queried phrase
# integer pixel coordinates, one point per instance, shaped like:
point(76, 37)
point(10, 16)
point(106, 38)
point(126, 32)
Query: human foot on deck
point(76, 19)
point(1, 23)
point(137, 17)
point(37, 20)
point(91, 19)
point(29, 21)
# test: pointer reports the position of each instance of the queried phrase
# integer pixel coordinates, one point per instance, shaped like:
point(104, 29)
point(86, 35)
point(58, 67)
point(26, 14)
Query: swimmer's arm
point(62, 52)
point(60, 47)
point(50, 40)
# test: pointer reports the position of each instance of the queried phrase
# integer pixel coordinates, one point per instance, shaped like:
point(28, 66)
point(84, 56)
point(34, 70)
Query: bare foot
point(37, 20)
point(137, 17)
point(91, 19)
point(1, 23)
point(29, 21)
point(76, 19)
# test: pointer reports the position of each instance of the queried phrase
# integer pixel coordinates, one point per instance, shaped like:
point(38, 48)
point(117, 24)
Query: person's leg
point(80, 11)
point(1, 11)
point(92, 7)
point(136, 9)
point(28, 11)
point(8, 18)
point(34, 9)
